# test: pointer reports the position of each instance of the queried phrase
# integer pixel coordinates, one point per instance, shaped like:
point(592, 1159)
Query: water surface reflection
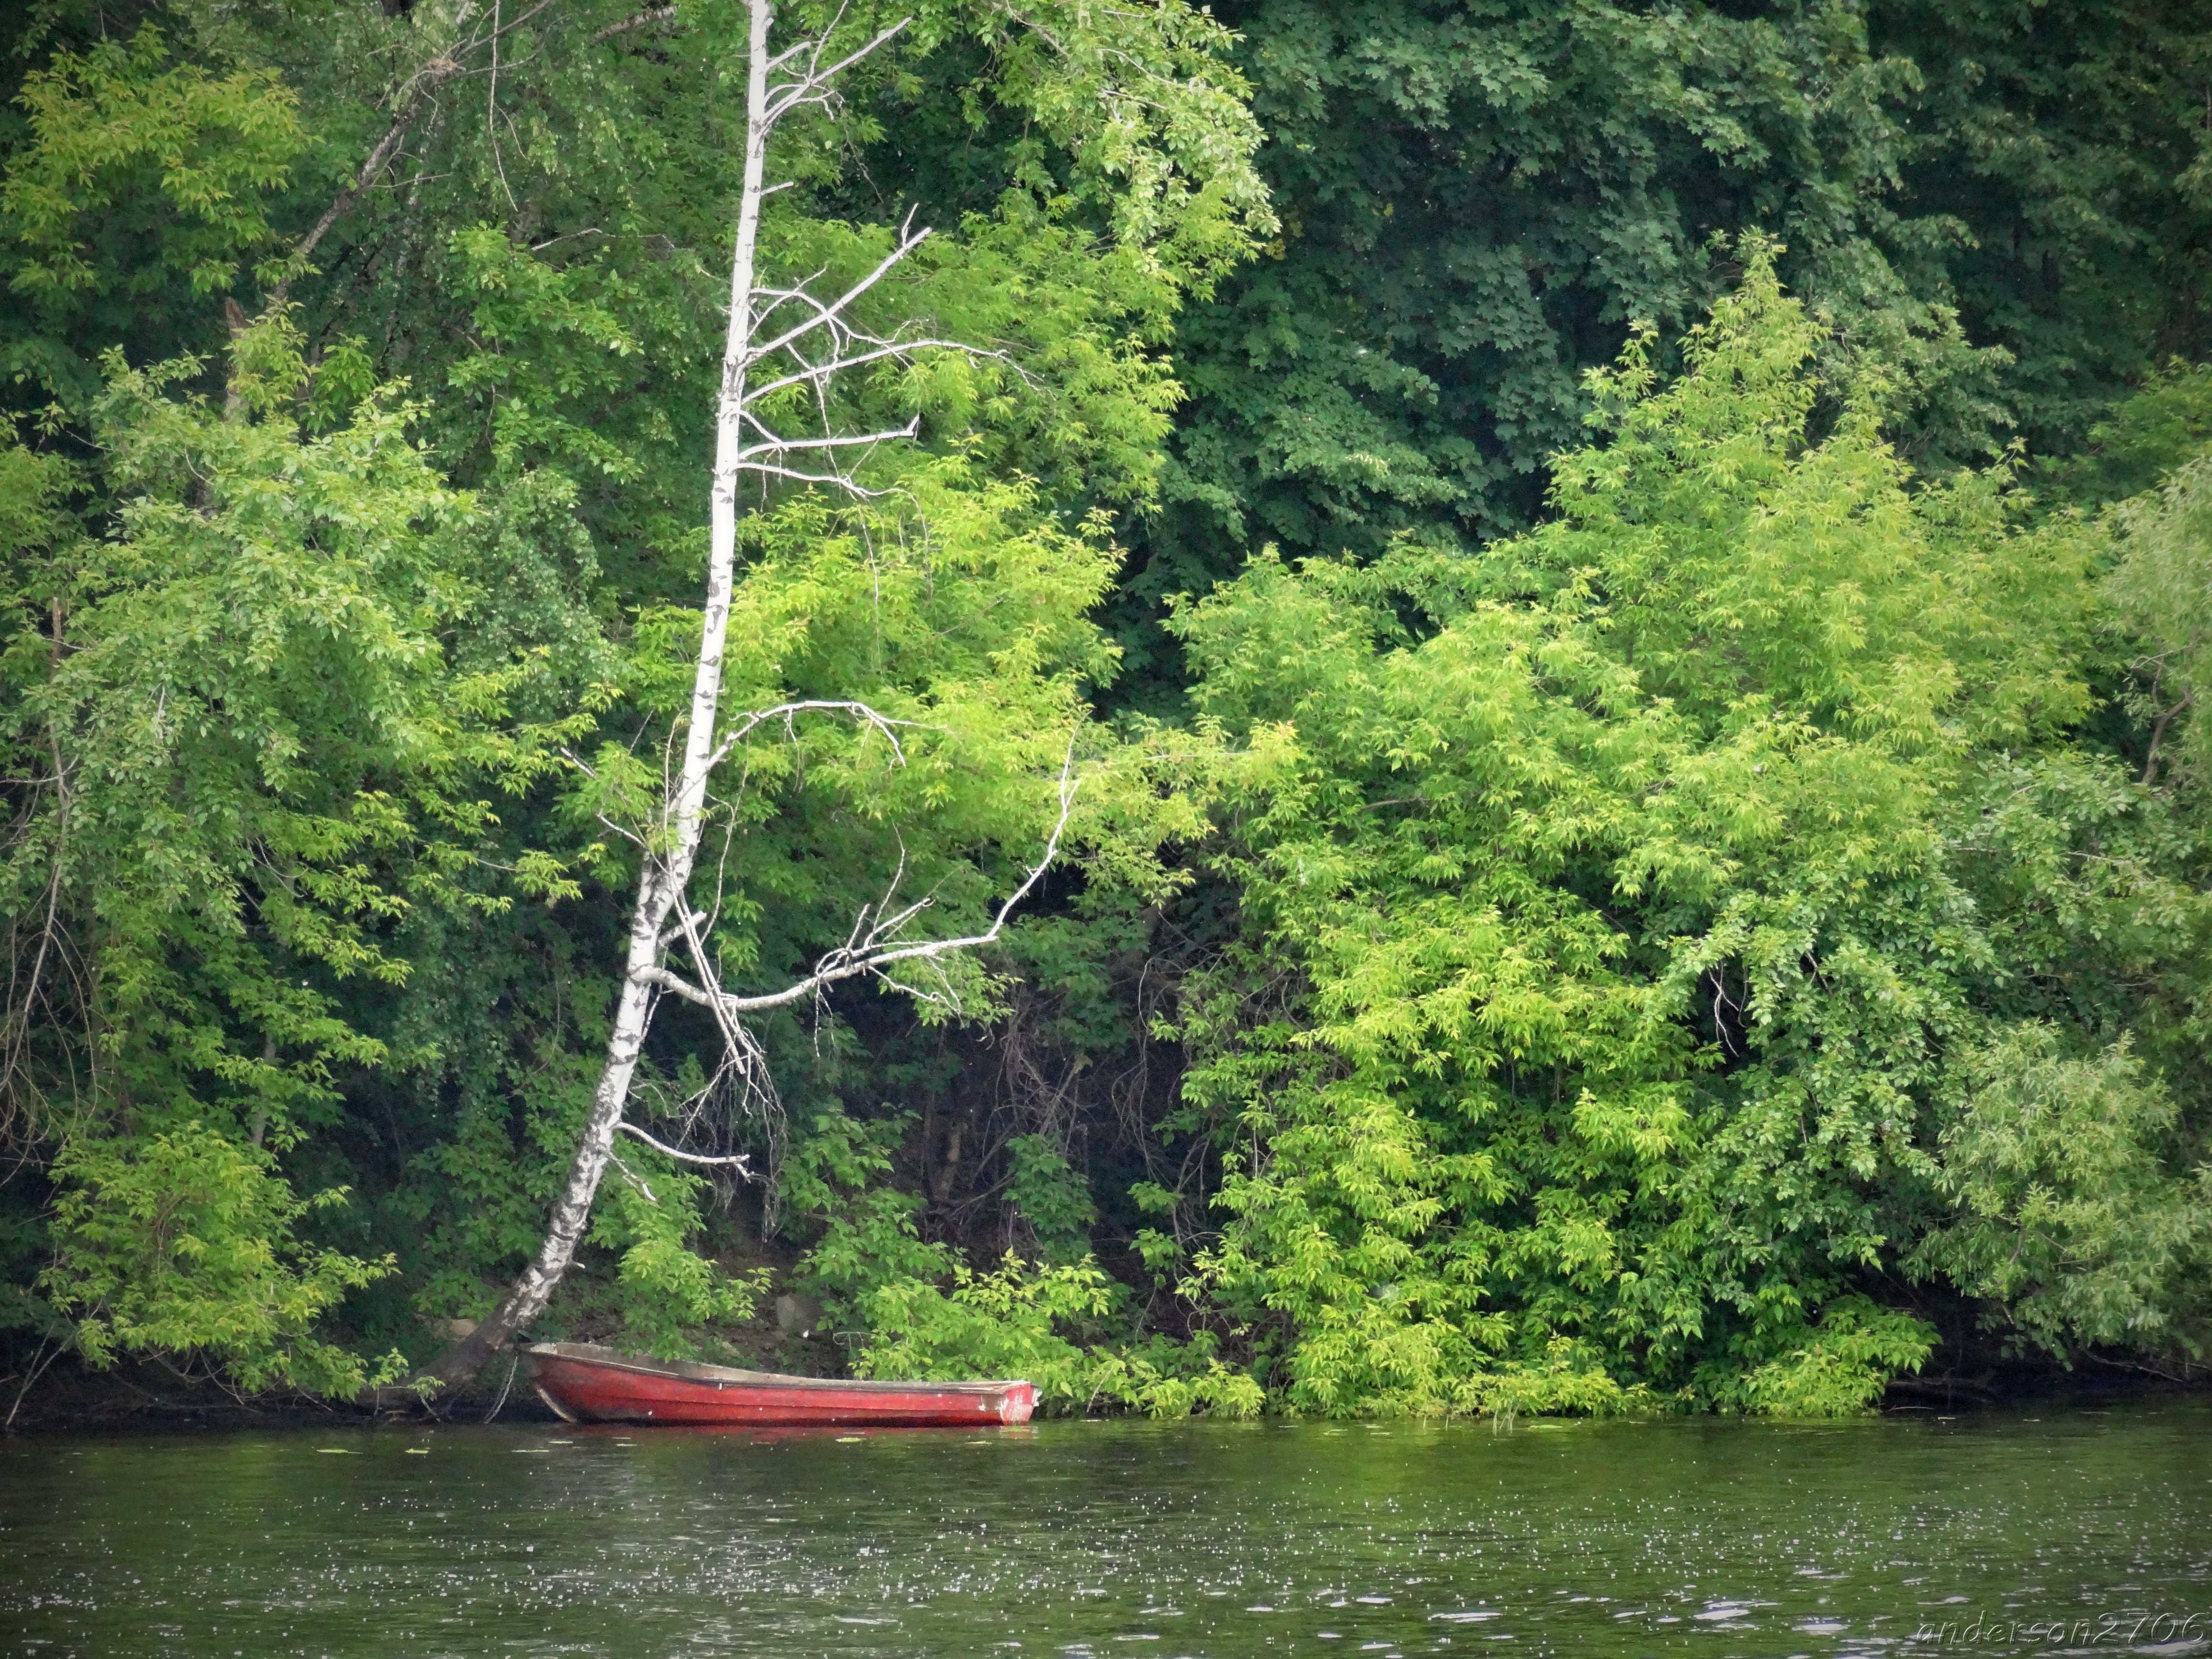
point(2001, 1534)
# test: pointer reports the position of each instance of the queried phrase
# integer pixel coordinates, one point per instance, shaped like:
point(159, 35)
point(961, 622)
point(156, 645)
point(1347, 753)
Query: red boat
point(584, 1384)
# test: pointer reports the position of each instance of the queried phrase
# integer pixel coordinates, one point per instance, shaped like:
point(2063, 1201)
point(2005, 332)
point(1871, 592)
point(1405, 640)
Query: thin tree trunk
point(812, 351)
point(666, 870)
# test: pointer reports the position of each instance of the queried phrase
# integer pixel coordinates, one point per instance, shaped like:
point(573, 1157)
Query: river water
point(2011, 1533)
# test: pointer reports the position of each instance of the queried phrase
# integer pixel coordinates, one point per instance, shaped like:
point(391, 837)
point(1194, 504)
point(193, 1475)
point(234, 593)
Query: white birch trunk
point(665, 866)
point(825, 343)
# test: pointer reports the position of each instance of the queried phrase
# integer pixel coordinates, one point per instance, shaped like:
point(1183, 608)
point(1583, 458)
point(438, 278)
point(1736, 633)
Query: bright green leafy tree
point(1634, 960)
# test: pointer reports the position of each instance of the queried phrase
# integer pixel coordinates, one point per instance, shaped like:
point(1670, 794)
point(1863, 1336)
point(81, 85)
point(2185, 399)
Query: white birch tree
point(780, 340)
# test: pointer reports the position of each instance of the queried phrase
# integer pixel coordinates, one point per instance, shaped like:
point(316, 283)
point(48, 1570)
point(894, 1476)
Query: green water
point(1132, 1539)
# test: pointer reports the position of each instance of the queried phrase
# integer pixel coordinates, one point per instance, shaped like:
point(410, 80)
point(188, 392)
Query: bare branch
point(753, 720)
point(675, 984)
point(810, 48)
point(812, 88)
point(413, 97)
point(500, 29)
point(628, 1174)
point(735, 1161)
point(872, 958)
point(909, 241)
point(810, 352)
point(815, 374)
point(850, 485)
point(636, 20)
point(851, 441)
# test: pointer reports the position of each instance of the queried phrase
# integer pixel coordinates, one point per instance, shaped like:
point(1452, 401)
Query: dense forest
point(1466, 706)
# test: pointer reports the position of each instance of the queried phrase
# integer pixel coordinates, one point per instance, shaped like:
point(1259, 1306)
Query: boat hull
point(590, 1384)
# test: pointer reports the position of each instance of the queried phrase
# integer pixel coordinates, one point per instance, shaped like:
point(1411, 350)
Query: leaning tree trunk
point(759, 362)
point(666, 870)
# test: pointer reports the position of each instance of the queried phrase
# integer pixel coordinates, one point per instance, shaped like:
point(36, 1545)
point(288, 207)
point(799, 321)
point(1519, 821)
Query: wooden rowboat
point(585, 1384)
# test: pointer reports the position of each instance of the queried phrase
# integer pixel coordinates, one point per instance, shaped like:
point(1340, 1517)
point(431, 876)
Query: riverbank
point(68, 1397)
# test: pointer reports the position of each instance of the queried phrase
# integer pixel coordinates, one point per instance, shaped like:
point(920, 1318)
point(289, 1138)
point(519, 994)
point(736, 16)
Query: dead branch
point(878, 951)
point(826, 342)
point(736, 1162)
point(414, 98)
point(637, 20)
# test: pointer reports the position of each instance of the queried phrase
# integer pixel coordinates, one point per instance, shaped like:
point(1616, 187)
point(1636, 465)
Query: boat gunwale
point(692, 1370)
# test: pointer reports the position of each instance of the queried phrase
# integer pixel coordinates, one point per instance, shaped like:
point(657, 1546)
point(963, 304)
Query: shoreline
point(71, 1402)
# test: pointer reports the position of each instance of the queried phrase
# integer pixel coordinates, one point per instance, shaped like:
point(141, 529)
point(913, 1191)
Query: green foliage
point(264, 753)
point(2161, 589)
point(1063, 1326)
point(2055, 163)
point(2165, 422)
point(185, 1243)
point(1556, 1386)
point(668, 1291)
point(866, 1235)
point(1155, 137)
point(26, 1247)
point(1009, 1323)
point(1635, 951)
point(1839, 1372)
point(32, 490)
point(2068, 1218)
point(144, 186)
point(257, 759)
point(1478, 204)
point(2000, 212)
point(1050, 1197)
point(1666, 847)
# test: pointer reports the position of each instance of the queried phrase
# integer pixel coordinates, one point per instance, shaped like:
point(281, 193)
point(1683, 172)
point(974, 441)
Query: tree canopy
point(1627, 586)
